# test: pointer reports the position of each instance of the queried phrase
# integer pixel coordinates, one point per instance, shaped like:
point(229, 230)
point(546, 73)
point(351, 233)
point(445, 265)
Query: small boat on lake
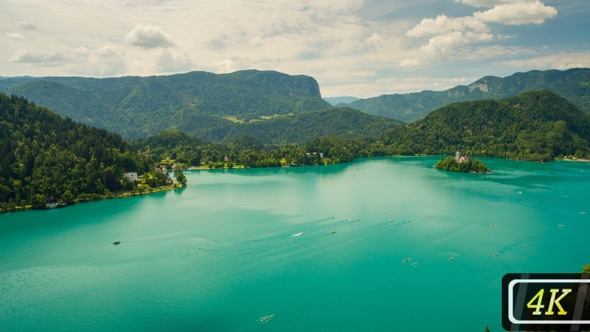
point(265, 319)
point(117, 242)
point(406, 260)
point(298, 234)
point(451, 258)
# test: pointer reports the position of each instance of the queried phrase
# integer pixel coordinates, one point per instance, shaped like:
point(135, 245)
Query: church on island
point(459, 158)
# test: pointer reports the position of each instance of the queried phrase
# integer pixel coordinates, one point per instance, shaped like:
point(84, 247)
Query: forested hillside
point(300, 129)
point(175, 146)
point(538, 125)
point(286, 129)
point(572, 84)
point(138, 107)
point(44, 157)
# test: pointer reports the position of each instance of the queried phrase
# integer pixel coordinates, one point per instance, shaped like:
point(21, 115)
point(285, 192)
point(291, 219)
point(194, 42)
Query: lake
point(321, 248)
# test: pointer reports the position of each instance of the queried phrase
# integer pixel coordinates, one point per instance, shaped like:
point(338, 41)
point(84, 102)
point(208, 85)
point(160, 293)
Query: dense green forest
point(287, 129)
point(137, 107)
point(538, 126)
point(46, 158)
point(175, 146)
point(572, 84)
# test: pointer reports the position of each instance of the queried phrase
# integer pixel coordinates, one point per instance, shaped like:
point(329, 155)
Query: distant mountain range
point(141, 106)
point(336, 101)
point(572, 84)
point(272, 107)
point(536, 125)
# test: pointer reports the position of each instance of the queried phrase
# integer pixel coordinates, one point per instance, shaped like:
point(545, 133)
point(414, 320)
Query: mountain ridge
point(136, 107)
point(534, 125)
point(572, 84)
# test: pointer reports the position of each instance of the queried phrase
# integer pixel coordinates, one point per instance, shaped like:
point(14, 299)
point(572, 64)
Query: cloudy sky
point(359, 48)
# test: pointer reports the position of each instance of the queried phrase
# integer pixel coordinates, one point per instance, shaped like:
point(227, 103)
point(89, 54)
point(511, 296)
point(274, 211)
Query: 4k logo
point(546, 302)
point(537, 301)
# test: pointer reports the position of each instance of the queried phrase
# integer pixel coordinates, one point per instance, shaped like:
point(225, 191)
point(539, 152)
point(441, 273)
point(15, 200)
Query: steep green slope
point(572, 84)
point(297, 128)
point(142, 106)
point(301, 128)
point(43, 155)
point(537, 125)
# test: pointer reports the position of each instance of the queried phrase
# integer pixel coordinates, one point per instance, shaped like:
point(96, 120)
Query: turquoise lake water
point(320, 248)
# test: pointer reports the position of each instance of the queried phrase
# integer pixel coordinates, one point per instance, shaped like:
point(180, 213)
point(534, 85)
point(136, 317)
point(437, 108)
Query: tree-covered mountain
point(142, 106)
point(293, 128)
point(44, 157)
point(536, 125)
point(572, 84)
point(301, 128)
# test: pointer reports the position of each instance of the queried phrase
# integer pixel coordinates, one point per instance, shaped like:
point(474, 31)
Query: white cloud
point(167, 62)
point(101, 62)
point(443, 24)
point(494, 52)
point(450, 36)
point(552, 61)
point(409, 62)
point(233, 64)
point(518, 13)
point(447, 34)
point(448, 42)
point(148, 36)
point(484, 3)
point(39, 57)
point(15, 35)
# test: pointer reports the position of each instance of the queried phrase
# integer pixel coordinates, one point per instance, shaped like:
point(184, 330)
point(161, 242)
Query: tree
point(181, 179)
point(179, 175)
point(110, 179)
point(38, 202)
point(67, 197)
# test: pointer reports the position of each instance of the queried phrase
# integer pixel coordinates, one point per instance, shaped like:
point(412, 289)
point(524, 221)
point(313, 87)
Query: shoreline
point(126, 194)
point(206, 168)
point(580, 160)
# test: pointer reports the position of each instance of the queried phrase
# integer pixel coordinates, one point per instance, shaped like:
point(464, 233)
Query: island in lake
point(461, 163)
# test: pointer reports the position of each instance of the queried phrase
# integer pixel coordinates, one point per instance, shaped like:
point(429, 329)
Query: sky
point(361, 48)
